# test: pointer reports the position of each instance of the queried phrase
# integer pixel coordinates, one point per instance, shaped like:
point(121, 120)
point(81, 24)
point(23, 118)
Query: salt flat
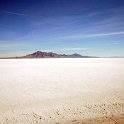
point(61, 90)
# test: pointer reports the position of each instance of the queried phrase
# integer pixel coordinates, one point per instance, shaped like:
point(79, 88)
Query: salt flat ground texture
point(55, 91)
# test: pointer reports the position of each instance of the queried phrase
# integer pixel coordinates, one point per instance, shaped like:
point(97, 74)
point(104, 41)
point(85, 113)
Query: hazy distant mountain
point(40, 54)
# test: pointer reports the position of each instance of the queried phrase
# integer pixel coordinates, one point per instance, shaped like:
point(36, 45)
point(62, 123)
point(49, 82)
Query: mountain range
point(40, 54)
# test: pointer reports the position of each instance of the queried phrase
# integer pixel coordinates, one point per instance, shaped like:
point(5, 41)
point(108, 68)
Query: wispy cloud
point(116, 43)
point(15, 13)
point(66, 49)
point(73, 49)
point(9, 45)
point(92, 35)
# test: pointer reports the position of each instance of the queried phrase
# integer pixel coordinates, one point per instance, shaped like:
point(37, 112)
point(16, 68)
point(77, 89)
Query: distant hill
point(40, 54)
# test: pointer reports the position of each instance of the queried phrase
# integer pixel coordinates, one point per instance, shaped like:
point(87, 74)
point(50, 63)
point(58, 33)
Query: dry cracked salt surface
point(62, 91)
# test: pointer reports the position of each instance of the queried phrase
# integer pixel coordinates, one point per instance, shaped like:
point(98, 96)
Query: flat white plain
point(31, 81)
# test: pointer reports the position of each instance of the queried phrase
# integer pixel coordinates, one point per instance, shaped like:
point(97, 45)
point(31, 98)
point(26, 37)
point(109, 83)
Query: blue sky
point(87, 27)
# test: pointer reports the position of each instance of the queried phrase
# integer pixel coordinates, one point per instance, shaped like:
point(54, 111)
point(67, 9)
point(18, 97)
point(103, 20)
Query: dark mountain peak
point(38, 52)
point(41, 54)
